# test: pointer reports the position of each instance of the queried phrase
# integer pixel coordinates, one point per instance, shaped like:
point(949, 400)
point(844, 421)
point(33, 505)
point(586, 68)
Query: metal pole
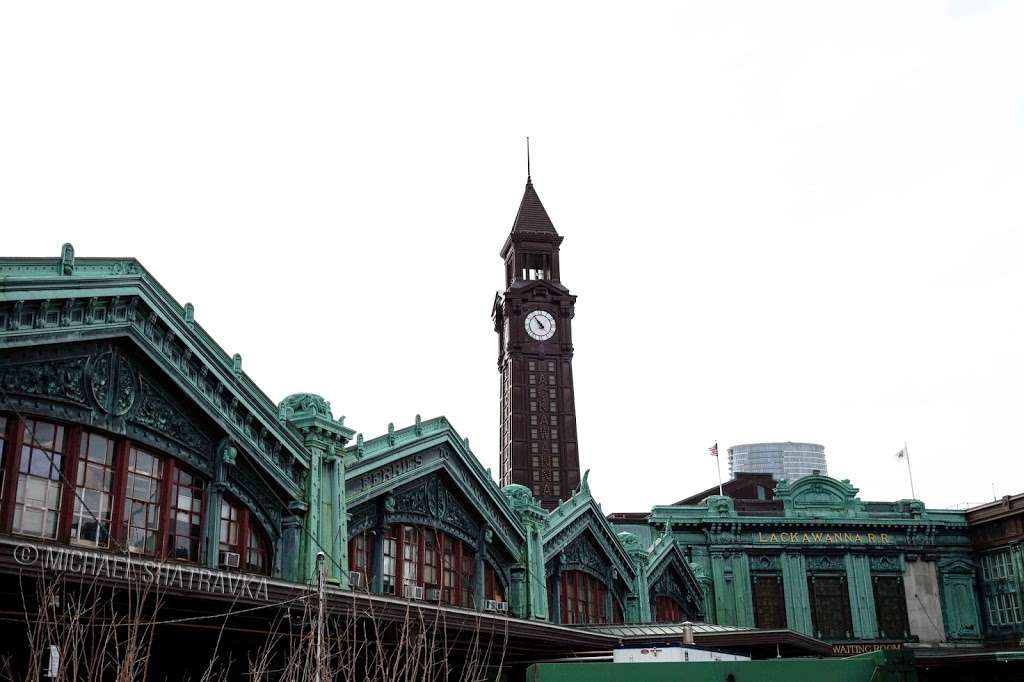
point(320, 584)
point(906, 453)
point(718, 465)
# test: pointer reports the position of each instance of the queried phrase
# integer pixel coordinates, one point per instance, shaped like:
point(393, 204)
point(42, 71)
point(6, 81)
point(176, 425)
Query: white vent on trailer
point(413, 592)
point(490, 605)
point(356, 579)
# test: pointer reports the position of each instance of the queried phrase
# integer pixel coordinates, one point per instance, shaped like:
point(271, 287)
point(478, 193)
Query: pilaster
point(326, 521)
point(794, 585)
point(641, 585)
point(862, 596)
point(532, 516)
point(730, 574)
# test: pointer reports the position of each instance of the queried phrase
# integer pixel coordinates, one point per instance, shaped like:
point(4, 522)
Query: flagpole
point(718, 465)
point(906, 453)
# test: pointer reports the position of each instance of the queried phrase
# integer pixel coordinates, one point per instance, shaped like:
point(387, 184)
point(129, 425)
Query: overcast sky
point(784, 221)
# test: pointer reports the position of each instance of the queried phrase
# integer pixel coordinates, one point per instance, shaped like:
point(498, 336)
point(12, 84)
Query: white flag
point(901, 454)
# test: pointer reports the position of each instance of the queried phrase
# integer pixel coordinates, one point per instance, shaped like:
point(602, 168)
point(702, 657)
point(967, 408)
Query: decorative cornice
point(56, 300)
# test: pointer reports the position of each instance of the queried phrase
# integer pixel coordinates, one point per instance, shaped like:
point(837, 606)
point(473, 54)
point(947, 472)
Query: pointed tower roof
point(531, 216)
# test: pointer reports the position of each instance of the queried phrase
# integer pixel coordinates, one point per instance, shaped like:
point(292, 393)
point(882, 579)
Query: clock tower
point(533, 320)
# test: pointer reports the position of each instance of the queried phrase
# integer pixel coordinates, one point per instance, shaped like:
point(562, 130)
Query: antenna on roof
point(528, 159)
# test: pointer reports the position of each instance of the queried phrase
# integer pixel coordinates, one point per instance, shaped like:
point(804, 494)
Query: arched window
point(242, 545)
point(415, 558)
point(66, 483)
point(583, 599)
point(70, 484)
point(668, 610)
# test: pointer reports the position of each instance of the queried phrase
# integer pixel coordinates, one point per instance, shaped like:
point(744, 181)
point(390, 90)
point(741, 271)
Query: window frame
point(12, 441)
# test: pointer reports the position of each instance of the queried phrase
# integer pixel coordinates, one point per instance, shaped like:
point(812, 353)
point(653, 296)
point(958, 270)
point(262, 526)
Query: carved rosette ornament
point(113, 383)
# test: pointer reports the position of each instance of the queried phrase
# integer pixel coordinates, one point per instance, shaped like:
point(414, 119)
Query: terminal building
point(134, 446)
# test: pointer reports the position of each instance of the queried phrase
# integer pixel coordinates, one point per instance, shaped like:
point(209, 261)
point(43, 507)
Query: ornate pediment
point(68, 301)
point(405, 460)
point(105, 385)
point(818, 497)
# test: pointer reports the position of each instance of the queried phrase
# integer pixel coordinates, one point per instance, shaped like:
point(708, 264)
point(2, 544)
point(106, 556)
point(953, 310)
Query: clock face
point(540, 325)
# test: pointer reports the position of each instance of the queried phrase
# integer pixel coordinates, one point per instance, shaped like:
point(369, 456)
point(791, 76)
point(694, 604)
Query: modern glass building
point(784, 461)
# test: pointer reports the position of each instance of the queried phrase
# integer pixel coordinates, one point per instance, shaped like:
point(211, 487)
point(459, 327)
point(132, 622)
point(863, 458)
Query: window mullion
point(120, 484)
point(69, 475)
point(165, 507)
point(243, 534)
point(15, 435)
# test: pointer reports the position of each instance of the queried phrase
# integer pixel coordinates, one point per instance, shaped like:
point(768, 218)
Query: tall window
point(769, 601)
point(185, 539)
point(257, 558)
point(142, 501)
point(668, 610)
point(448, 558)
point(492, 586)
point(583, 598)
point(1001, 600)
point(94, 498)
point(389, 565)
point(891, 607)
point(76, 486)
point(229, 530)
point(431, 559)
point(830, 606)
point(360, 559)
point(240, 535)
point(415, 556)
point(37, 505)
point(410, 557)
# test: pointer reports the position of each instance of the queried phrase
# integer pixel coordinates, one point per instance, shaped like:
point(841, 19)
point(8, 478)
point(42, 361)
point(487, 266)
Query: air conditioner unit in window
point(490, 605)
point(413, 592)
point(503, 606)
point(433, 594)
point(356, 580)
point(230, 559)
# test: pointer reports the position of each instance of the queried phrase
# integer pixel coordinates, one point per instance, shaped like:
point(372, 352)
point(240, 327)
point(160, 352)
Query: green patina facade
point(98, 346)
point(819, 528)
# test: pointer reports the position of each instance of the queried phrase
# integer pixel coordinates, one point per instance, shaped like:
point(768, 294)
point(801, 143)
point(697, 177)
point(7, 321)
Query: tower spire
point(528, 180)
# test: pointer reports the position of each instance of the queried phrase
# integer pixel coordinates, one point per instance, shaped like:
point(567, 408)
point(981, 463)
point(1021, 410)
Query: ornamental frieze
point(825, 563)
point(432, 499)
point(157, 413)
point(61, 379)
point(113, 391)
point(584, 553)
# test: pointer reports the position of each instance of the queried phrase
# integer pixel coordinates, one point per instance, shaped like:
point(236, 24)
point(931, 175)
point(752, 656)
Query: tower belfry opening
point(536, 266)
